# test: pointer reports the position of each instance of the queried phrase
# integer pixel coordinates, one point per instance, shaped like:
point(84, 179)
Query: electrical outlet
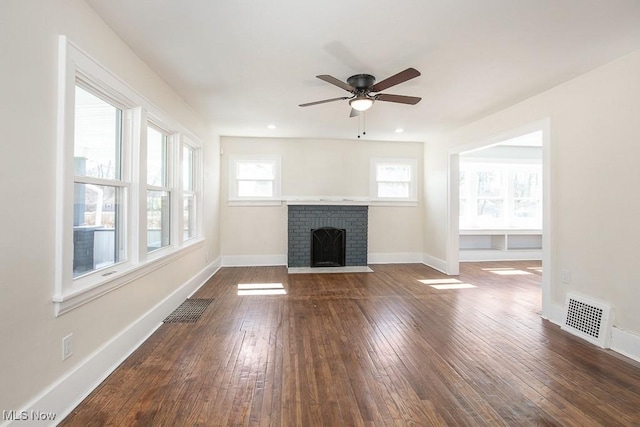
point(565, 276)
point(67, 346)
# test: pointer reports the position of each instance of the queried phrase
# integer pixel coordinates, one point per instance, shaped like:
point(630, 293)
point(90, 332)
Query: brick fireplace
point(302, 219)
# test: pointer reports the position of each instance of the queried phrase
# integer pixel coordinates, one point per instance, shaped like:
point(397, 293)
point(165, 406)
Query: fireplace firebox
point(328, 247)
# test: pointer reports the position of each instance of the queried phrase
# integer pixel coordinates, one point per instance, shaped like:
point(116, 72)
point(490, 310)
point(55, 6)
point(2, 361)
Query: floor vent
point(588, 319)
point(189, 311)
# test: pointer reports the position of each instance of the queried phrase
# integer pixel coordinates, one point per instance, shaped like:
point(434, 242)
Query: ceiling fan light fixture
point(361, 103)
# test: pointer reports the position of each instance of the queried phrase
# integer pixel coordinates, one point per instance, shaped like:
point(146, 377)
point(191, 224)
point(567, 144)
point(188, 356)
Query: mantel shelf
point(331, 201)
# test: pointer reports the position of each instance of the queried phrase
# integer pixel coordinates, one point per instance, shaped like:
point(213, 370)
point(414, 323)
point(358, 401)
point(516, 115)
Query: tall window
point(394, 179)
point(189, 213)
point(99, 190)
point(158, 190)
point(500, 195)
point(254, 178)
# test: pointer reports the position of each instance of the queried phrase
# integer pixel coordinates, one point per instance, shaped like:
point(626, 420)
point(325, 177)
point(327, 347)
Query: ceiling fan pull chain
point(364, 122)
point(362, 116)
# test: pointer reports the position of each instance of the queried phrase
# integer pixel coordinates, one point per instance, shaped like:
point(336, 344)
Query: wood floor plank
point(369, 349)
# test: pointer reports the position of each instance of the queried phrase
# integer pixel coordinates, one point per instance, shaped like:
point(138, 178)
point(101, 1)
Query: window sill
point(77, 296)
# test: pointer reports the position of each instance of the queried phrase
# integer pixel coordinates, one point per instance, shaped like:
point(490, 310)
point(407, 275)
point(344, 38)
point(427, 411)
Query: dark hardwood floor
point(377, 349)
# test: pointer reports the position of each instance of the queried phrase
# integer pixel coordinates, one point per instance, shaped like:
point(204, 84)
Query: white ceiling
point(246, 64)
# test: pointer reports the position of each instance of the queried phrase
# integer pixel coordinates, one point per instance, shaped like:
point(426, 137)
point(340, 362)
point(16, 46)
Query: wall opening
point(500, 200)
point(453, 226)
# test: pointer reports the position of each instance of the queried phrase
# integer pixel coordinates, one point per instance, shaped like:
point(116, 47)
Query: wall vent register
point(588, 319)
point(189, 311)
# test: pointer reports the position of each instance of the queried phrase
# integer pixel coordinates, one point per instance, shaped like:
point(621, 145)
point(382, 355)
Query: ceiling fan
point(362, 86)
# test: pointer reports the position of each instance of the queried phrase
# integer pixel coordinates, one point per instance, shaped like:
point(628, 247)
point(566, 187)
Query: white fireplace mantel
point(329, 200)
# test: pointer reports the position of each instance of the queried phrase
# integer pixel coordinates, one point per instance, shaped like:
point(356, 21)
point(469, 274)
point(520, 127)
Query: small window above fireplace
point(254, 178)
point(394, 180)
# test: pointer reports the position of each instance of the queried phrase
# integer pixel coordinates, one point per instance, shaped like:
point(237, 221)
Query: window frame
point(121, 182)
point(167, 185)
point(77, 68)
point(274, 160)
point(195, 191)
point(374, 181)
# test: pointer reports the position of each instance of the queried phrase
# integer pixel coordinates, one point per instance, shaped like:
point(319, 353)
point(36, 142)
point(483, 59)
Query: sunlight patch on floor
point(441, 284)
point(438, 281)
point(261, 289)
point(454, 286)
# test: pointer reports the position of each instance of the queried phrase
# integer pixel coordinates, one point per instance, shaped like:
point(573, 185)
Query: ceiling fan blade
point(396, 79)
point(330, 79)
point(413, 100)
point(323, 101)
point(354, 113)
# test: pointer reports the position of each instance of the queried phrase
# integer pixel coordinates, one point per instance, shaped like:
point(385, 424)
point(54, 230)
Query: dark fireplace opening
point(328, 247)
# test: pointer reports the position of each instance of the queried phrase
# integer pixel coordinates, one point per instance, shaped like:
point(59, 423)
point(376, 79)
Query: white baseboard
point(64, 395)
point(625, 343)
point(408, 258)
point(253, 260)
point(557, 314)
point(435, 263)
point(394, 258)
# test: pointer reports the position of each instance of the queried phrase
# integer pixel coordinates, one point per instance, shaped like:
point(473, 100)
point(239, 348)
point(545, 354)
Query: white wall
point(436, 196)
point(30, 358)
point(595, 147)
point(317, 168)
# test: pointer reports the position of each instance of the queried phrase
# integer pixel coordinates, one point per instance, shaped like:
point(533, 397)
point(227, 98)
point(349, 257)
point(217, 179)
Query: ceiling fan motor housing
point(361, 81)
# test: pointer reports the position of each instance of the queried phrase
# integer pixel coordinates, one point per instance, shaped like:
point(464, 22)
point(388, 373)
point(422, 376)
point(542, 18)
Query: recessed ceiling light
point(271, 126)
point(399, 130)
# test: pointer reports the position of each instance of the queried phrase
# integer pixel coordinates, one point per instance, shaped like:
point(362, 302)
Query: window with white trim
point(500, 195)
point(99, 187)
point(158, 189)
point(119, 191)
point(254, 178)
point(394, 179)
point(189, 192)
